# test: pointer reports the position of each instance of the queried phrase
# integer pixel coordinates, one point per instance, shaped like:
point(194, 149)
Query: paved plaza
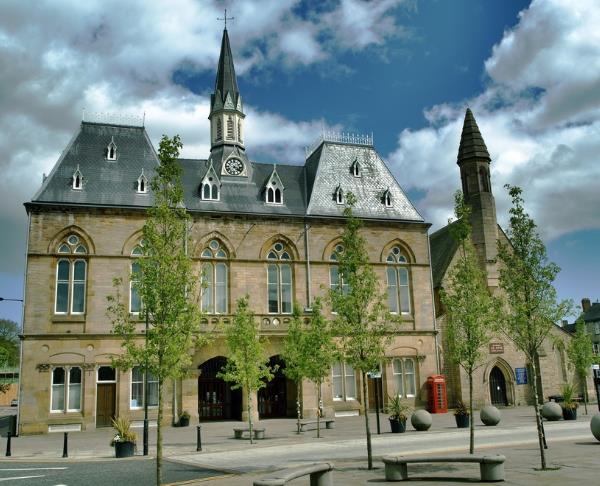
point(572, 448)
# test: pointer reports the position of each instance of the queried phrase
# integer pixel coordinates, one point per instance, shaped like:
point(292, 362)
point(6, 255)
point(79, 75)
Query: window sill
point(68, 318)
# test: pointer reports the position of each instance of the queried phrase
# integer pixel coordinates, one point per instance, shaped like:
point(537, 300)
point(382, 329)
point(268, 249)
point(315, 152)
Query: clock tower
point(227, 152)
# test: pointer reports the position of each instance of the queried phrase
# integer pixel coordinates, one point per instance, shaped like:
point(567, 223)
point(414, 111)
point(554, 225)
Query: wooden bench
point(258, 432)
point(310, 424)
point(320, 475)
point(491, 467)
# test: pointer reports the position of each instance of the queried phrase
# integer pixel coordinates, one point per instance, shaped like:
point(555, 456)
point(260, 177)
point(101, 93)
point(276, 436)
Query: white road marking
point(21, 477)
point(32, 468)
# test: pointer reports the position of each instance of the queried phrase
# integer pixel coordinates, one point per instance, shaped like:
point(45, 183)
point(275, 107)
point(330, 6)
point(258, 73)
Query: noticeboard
point(521, 374)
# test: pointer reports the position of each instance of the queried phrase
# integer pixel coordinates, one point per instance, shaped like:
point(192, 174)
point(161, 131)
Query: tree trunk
point(159, 436)
point(249, 394)
point(318, 410)
point(538, 420)
point(471, 421)
point(298, 407)
point(367, 428)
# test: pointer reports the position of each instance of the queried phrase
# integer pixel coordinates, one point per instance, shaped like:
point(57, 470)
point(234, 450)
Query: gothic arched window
point(71, 277)
point(279, 280)
point(398, 282)
point(229, 127)
point(219, 129)
point(214, 279)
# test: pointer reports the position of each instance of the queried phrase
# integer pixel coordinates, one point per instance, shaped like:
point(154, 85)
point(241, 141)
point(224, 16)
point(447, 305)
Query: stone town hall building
point(269, 231)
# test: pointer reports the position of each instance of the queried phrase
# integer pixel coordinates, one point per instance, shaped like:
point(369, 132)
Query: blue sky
point(402, 69)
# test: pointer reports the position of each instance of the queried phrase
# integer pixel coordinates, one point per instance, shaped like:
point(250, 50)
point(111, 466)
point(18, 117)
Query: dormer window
point(77, 179)
point(355, 168)
point(210, 188)
point(142, 183)
point(274, 188)
point(387, 198)
point(339, 195)
point(111, 150)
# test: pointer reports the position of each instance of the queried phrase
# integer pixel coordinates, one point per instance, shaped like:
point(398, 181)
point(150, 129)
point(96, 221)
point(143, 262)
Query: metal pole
point(66, 445)
point(8, 436)
point(146, 392)
point(377, 405)
point(198, 437)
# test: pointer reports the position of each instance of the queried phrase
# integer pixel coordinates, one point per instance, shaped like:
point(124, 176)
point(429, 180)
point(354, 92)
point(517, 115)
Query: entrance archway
point(216, 399)
point(498, 387)
point(277, 399)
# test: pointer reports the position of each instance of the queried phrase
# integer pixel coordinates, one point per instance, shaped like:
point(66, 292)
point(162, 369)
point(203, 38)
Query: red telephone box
point(436, 392)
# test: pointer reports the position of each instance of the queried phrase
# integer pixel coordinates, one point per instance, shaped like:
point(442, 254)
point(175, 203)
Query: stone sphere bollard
point(595, 426)
point(490, 415)
point(552, 411)
point(421, 420)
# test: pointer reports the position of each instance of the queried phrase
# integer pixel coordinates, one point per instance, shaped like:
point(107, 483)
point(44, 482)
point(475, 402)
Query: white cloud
point(545, 141)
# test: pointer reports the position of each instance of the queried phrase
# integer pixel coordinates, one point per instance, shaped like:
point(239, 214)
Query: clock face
point(234, 166)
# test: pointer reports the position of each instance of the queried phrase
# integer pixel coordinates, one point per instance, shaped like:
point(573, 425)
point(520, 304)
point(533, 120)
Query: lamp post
point(146, 392)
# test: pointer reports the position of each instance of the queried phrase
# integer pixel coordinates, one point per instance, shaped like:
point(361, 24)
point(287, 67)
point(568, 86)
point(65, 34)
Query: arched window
point(279, 280)
point(274, 194)
point(210, 189)
point(404, 377)
point(214, 279)
point(229, 127)
point(77, 179)
point(339, 195)
point(70, 277)
point(398, 281)
point(219, 129)
point(240, 138)
point(336, 281)
point(142, 183)
point(111, 150)
point(66, 389)
point(135, 300)
point(355, 168)
point(387, 198)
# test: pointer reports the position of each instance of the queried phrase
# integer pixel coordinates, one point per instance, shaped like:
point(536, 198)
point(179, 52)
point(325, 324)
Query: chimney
point(586, 304)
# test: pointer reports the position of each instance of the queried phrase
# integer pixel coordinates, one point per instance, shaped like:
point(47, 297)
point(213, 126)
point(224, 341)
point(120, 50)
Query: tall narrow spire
point(471, 141)
point(226, 81)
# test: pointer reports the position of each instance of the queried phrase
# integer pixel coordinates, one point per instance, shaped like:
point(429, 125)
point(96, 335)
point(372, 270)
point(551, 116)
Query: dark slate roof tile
point(443, 247)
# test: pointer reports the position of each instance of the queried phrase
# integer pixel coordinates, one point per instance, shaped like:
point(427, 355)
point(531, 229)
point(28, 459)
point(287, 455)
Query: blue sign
point(521, 376)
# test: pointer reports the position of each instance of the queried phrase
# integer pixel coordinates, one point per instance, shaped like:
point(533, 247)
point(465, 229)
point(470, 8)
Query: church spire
point(471, 141)
point(226, 82)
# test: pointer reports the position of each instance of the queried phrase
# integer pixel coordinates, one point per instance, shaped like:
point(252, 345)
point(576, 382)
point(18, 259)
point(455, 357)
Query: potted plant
point(124, 439)
point(461, 415)
point(398, 413)
point(184, 419)
point(569, 405)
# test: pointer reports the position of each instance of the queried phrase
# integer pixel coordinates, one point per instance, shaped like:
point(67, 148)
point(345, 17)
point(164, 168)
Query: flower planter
point(124, 449)
point(398, 426)
point(569, 413)
point(184, 421)
point(462, 420)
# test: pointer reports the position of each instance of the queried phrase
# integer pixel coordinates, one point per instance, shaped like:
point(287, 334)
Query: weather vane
point(225, 18)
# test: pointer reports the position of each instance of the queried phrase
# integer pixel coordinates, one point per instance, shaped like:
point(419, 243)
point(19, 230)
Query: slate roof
point(331, 165)
point(443, 247)
point(105, 182)
point(226, 81)
point(308, 189)
point(471, 141)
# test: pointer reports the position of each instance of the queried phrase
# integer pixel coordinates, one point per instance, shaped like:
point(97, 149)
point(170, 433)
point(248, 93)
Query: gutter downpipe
point(435, 331)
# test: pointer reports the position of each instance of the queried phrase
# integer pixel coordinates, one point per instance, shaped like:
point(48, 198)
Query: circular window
point(278, 247)
point(72, 240)
point(396, 250)
point(214, 245)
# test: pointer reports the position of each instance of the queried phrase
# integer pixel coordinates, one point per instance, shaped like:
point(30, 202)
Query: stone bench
point(258, 432)
point(320, 475)
point(491, 467)
point(312, 424)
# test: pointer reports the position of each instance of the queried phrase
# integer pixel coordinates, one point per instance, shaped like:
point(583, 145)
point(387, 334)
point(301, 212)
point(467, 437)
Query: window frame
point(66, 389)
point(281, 261)
point(399, 266)
point(213, 261)
point(404, 376)
point(343, 377)
point(131, 383)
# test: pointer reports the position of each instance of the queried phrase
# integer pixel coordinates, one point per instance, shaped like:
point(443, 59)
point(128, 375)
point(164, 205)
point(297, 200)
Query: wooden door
point(106, 404)
point(498, 387)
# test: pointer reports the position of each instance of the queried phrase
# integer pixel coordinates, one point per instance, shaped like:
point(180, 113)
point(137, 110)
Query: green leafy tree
point(9, 343)
point(166, 285)
point(294, 355)
point(526, 279)
point(472, 313)
point(363, 326)
point(247, 364)
point(581, 355)
point(320, 351)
